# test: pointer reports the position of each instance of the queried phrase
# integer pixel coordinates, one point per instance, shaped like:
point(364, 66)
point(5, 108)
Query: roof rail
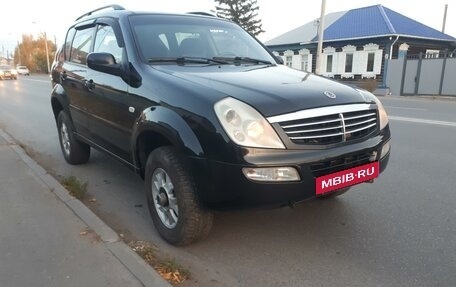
point(202, 13)
point(114, 7)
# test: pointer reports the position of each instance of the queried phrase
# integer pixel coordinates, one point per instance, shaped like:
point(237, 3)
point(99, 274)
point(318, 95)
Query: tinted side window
point(81, 46)
point(68, 41)
point(105, 41)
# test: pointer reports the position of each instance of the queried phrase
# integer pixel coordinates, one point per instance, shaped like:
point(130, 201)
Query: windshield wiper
point(184, 60)
point(238, 59)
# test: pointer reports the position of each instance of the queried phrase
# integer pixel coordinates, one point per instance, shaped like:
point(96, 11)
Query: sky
point(277, 17)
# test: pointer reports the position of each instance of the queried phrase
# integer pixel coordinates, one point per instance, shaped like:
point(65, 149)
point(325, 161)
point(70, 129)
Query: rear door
point(73, 76)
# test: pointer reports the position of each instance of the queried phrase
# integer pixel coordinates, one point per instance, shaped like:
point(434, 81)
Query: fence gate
point(423, 74)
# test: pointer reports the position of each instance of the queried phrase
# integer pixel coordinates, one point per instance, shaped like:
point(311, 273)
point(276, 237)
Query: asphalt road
point(398, 231)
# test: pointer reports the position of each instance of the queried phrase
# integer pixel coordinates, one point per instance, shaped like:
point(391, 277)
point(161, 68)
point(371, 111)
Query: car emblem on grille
point(330, 95)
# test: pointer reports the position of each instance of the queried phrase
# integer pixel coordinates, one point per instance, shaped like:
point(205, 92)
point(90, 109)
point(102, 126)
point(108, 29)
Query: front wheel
point(74, 151)
point(172, 199)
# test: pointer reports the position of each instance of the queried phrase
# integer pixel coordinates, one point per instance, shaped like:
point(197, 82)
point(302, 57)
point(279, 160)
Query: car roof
point(119, 11)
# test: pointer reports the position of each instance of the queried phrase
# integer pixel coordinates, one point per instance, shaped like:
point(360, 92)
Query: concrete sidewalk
point(48, 238)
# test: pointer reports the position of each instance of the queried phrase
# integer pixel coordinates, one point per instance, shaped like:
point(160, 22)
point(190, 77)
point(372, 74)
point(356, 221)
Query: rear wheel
point(172, 199)
point(74, 151)
point(334, 194)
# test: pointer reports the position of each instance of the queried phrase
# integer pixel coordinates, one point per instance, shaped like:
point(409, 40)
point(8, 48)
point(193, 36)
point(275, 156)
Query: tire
point(172, 199)
point(74, 151)
point(334, 194)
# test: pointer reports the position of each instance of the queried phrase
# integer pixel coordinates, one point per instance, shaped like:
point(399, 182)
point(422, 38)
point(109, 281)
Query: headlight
point(381, 109)
point(245, 126)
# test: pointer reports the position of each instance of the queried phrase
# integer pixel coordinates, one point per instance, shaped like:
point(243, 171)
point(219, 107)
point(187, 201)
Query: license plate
point(345, 178)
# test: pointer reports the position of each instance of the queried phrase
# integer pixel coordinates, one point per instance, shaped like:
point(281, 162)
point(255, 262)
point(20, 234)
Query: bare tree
point(31, 52)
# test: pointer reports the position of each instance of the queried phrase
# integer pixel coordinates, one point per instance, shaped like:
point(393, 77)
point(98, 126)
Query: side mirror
point(104, 62)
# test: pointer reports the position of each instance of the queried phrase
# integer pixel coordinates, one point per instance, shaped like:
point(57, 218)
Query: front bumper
point(223, 185)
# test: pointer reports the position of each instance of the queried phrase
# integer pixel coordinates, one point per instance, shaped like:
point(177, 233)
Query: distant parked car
point(23, 70)
point(7, 72)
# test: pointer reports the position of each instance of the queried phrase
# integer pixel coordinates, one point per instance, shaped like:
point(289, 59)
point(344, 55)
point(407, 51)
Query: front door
point(113, 116)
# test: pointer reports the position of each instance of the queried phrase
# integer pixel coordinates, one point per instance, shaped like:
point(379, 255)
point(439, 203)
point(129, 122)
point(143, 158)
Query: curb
point(126, 256)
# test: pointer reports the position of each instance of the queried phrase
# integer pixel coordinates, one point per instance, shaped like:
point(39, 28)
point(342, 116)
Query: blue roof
point(367, 22)
point(406, 26)
point(374, 21)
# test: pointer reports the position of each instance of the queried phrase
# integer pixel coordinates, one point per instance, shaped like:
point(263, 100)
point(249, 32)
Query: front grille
point(329, 125)
point(339, 164)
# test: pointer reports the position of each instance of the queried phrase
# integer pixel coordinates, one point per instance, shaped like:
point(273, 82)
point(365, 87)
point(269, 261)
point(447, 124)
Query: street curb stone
point(133, 262)
point(136, 265)
point(105, 232)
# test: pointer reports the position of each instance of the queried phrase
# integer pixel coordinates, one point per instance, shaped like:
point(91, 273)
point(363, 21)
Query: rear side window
point(81, 46)
point(68, 41)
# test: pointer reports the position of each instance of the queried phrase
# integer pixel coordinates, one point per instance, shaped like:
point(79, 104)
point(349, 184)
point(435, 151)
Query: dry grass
point(76, 188)
point(169, 269)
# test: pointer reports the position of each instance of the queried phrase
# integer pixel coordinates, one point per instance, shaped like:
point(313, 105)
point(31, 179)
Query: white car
point(23, 70)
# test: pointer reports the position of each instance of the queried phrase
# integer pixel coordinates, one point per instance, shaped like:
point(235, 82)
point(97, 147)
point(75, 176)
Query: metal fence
point(423, 74)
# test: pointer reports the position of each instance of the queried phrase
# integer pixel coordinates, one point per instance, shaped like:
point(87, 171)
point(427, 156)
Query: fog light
point(271, 174)
point(385, 149)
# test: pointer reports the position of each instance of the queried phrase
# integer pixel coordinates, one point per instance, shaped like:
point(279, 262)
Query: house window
point(304, 62)
point(288, 61)
point(370, 62)
point(329, 64)
point(349, 63)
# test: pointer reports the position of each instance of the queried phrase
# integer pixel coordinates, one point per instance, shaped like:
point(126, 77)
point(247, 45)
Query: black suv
point(209, 117)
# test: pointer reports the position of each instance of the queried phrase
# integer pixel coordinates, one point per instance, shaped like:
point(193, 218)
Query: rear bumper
point(223, 185)
point(8, 76)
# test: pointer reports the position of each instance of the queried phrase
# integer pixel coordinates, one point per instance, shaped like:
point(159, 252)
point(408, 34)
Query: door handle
point(89, 84)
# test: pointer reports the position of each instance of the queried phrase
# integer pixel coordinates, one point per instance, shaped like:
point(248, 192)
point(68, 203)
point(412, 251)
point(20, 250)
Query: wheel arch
point(59, 100)
point(160, 126)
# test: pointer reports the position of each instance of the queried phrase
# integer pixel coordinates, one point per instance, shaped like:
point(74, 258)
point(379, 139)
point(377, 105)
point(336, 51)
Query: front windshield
point(165, 37)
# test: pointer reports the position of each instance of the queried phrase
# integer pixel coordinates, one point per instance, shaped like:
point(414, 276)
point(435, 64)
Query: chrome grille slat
point(328, 125)
point(314, 130)
point(360, 123)
point(311, 124)
point(316, 137)
point(363, 128)
point(361, 116)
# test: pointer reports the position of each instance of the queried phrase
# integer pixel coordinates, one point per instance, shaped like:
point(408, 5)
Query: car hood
point(272, 90)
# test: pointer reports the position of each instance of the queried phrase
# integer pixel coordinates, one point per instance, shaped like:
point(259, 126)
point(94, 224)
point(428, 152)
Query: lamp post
point(321, 29)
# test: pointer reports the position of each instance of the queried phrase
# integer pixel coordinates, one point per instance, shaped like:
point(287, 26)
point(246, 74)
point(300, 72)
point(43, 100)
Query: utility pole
point(444, 18)
point(19, 52)
point(321, 29)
